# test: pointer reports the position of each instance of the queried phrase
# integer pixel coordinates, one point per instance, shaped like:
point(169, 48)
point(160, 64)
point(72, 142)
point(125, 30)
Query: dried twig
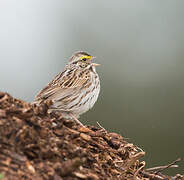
point(139, 149)
point(138, 170)
point(133, 159)
point(101, 126)
point(152, 176)
point(161, 167)
point(168, 166)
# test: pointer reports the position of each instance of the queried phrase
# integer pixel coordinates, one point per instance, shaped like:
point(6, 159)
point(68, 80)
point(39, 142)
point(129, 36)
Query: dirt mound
point(38, 145)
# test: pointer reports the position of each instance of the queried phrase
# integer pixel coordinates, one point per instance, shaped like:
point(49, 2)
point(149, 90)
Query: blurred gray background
point(140, 46)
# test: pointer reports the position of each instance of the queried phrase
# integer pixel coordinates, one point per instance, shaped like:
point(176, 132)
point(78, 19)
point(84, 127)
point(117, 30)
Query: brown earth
point(37, 145)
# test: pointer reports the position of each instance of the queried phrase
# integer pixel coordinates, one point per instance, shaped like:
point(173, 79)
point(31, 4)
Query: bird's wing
point(62, 90)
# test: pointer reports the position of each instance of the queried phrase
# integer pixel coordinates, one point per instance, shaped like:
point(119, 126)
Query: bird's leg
point(76, 119)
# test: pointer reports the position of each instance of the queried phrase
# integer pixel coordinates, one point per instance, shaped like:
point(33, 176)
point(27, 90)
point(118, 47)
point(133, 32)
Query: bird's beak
point(93, 57)
point(95, 64)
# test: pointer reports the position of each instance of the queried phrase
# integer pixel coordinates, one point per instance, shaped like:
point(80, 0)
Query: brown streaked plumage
point(75, 90)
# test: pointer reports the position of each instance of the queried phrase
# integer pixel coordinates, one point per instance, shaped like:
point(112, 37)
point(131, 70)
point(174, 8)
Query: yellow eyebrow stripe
point(87, 57)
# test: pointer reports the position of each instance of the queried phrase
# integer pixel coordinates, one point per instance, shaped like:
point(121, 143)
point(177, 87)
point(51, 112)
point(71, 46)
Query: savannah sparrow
point(75, 90)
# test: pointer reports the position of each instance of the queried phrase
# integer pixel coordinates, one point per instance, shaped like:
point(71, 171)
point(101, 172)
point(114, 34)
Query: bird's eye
point(84, 59)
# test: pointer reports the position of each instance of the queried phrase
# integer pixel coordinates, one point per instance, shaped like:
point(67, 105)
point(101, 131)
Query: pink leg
point(76, 119)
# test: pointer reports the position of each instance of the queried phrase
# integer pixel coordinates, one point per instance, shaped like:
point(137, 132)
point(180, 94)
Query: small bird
point(75, 90)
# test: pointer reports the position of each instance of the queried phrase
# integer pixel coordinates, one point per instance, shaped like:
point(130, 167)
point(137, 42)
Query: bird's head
point(82, 60)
